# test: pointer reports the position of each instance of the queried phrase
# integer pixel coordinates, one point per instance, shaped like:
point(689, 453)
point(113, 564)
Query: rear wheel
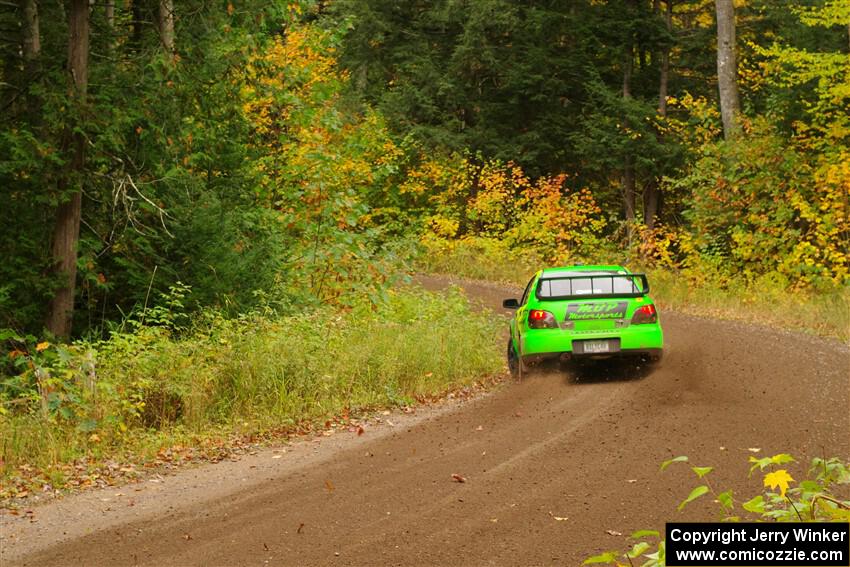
point(653, 357)
point(515, 365)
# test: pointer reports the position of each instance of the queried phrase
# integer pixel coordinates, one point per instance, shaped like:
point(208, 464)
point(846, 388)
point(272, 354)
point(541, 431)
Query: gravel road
point(555, 466)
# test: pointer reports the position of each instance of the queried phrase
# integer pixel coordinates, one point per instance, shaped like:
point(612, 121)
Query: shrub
point(762, 205)
point(259, 370)
point(812, 499)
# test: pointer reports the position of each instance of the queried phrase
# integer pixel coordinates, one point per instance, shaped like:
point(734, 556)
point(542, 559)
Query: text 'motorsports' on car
point(583, 312)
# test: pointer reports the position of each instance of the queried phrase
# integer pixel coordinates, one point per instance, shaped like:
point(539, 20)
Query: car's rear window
point(561, 287)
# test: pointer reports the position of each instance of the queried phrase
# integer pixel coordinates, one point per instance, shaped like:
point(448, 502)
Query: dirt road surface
point(583, 446)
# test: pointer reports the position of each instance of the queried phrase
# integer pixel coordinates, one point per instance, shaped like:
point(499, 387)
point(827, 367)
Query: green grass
point(824, 314)
point(252, 375)
point(480, 259)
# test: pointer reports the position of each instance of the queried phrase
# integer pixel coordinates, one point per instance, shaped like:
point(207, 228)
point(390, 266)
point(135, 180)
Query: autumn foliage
point(498, 200)
point(317, 165)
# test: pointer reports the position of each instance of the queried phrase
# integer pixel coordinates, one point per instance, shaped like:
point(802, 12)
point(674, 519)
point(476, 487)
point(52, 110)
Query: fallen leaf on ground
point(458, 478)
point(329, 485)
point(613, 533)
point(360, 430)
point(753, 449)
point(300, 528)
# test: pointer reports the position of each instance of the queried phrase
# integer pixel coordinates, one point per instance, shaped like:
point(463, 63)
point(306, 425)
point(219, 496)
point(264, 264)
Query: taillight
point(539, 319)
point(645, 314)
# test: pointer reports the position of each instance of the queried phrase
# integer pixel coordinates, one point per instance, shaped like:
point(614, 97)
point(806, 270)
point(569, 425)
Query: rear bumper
point(654, 354)
point(634, 339)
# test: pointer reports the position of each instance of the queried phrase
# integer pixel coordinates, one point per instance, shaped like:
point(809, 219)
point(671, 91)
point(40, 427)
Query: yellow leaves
point(40, 347)
point(442, 180)
point(494, 198)
point(444, 227)
point(658, 246)
point(308, 153)
point(285, 76)
point(778, 479)
point(500, 200)
point(704, 124)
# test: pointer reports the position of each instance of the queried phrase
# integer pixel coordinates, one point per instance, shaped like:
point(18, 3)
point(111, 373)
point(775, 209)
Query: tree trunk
point(66, 232)
point(138, 20)
point(109, 12)
point(628, 179)
point(651, 196)
point(109, 9)
point(166, 24)
point(651, 200)
point(31, 50)
point(665, 63)
point(31, 35)
point(727, 68)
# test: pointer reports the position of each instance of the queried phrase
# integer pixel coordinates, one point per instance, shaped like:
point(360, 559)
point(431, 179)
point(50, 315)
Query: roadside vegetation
point(817, 495)
point(168, 379)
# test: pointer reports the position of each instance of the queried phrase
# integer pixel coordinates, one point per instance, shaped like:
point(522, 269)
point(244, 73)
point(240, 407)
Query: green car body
point(581, 312)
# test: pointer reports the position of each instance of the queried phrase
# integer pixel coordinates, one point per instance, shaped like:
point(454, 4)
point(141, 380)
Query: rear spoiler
point(638, 283)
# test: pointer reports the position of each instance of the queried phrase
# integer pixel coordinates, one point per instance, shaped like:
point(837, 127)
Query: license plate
point(594, 347)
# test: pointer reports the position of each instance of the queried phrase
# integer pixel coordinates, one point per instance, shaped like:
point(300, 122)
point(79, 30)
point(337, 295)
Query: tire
point(655, 358)
point(514, 363)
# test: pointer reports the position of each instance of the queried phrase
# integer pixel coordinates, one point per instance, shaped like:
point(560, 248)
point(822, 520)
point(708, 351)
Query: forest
point(185, 181)
point(294, 151)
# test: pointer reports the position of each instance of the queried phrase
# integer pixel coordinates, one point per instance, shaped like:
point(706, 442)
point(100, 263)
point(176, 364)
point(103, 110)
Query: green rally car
point(583, 312)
